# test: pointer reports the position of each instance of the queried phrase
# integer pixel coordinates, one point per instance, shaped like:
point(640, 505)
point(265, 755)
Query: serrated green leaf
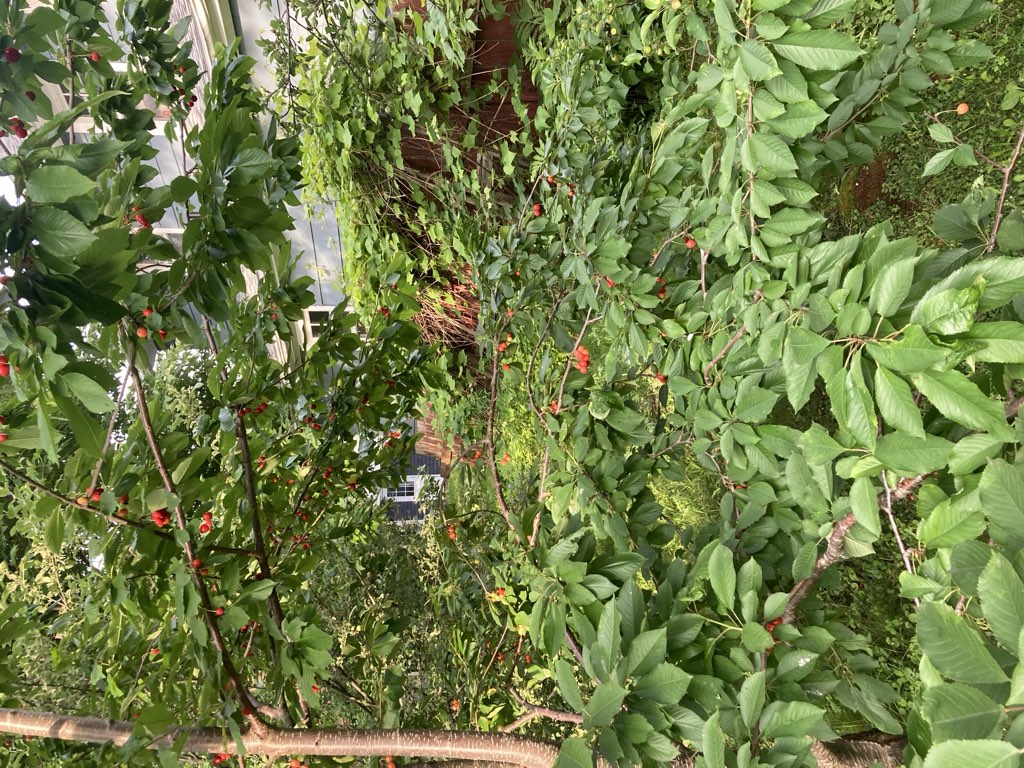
point(57, 184)
point(959, 399)
point(896, 403)
point(976, 754)
point(956, 711)
point(1002, 601)
point(956, 650)
point(757, 61)
point(818, 49)
point(790, 718)
point(752, 698)
point(910, 455)
point(723, 575)
point(665, 684)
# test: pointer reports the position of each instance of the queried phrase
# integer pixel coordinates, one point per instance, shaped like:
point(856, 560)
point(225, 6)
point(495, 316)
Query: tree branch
point(1007, 174)
point(725, 350)
point(504, 748)
point(834, 547)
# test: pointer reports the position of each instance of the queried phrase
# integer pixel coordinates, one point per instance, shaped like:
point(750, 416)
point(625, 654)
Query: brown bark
point(504, 748)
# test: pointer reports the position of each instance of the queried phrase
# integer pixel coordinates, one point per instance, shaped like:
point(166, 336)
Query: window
point(315, 321)
point(406, 491)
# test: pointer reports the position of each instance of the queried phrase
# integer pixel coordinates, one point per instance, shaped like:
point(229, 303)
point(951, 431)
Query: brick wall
point(431, 443)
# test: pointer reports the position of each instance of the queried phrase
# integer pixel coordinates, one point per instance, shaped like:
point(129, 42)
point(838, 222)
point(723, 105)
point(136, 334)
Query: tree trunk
point(509, 749)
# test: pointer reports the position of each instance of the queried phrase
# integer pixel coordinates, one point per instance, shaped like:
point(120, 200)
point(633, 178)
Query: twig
point(1013, 406)
point(725, 350)
point(1007, 173)
point(703, 273)
point(958, 141)
point(895, 529)
point(533, 358)
point(110, 425)
point(533, 712)
point(492, 400)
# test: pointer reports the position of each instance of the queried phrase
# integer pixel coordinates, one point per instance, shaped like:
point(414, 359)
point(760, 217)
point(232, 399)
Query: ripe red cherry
point(12, 54)
point(219, 611)
point(5, 370)
point(142, 332)
point(97, 494)
point(205, 528)
point(20, 131)
point(30, 95)
point(160, 517)
point(197, 563)
point(147, 312)
point(94, 57)
point(690, 242)
point(3, 437)
point(537, 209)
point(662, 378)
point(163, 334)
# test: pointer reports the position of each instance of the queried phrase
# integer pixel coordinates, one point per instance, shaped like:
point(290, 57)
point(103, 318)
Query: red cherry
point(3, 437)
point(97, 494)
point(147, 312)
point(30, 95)
point(690, 242)
point(205, 528)
point(5, 370)
point(122, 499)
point(154, 652)
point(94, 57)
point(537, 209)
point(141, 332)
point(12, 55)
point(181, 70)
point(219, 611)
point(163, 334)
point(20, 132)
point(160, 517)
point(662, 378)
point(197, 563)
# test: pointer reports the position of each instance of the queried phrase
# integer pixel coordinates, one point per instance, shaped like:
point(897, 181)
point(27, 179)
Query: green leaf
point(790, 718)
point(910, 455)
point(723, 575)
point(957, 711)
point(976, 754)
point(972, 452)
point(949, 524)
point(771, 153)
point(1002, 498)
point(88, 392)
point(752, 698)
point(257, 592)
point(864, 501)
point(757, 61)
point(799, 119)
point(567, 685)
point(57, 184)
point(665, 684)
point(1002, 601)
point(53, 535)
point(646, 651)
point(249, 165)
point(896, 403)
point(755, 638)
point(574, 753)
point(818, 49)
point(949, 311)
point(938, 162)
point(891, 287)
point(59, 233)
point(959, 399)
point(1004, 341)
point(754, 405)
point(956, 650)
point(604, 704)
point(912, 353)
point(713, 743)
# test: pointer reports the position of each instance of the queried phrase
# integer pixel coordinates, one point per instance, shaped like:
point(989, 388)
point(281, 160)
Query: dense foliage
point(660, 295)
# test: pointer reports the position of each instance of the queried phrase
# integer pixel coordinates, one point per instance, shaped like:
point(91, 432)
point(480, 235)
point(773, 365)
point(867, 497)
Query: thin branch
point(725, 350)
point(533, 712)
point(249, 705)
point(492, 401)
point(958, 141)
point(1007, 174)
point(110, 425)
point(887, 506)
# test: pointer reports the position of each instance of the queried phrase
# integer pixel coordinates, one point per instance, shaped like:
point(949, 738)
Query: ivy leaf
point(959, 399)
point(956, 650)
point(57, 184)
point(818, 49)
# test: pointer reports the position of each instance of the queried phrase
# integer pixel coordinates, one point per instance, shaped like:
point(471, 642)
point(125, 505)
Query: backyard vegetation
point(722, 300)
